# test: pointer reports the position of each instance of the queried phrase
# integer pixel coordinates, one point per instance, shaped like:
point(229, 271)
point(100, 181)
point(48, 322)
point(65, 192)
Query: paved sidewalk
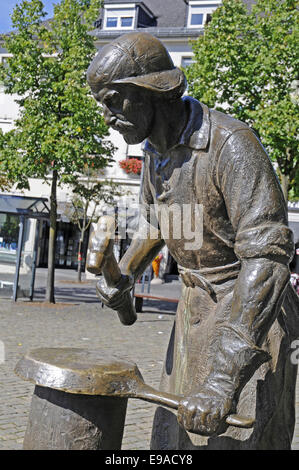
point(78, 320)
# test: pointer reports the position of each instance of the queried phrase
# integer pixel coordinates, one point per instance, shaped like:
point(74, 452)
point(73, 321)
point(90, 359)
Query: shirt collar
point(197, 131)
point(196, 134)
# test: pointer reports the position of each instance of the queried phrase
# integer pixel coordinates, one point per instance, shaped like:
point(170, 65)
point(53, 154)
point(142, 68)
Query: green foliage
point(5, 184)
point(9, 231)
point(88, 195)
point(59, 125)
point(245, 65)
point(90, 192)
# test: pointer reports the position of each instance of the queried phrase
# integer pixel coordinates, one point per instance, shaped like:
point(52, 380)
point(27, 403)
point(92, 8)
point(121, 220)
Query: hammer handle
point(111, 271)
point(112, 275)
point(148, 393)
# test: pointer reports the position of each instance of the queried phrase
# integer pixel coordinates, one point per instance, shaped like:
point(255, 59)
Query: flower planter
point(131, 166)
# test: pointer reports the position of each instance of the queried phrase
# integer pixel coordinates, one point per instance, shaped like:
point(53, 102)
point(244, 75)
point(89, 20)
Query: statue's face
point(127, 110)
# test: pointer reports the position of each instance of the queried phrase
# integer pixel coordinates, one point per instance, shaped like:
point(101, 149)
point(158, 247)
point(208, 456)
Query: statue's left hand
point(205, 413)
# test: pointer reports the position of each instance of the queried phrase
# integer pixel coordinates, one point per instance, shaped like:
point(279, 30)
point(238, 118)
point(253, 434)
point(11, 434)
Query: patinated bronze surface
point(231, 343)
point(76, 370)
point(101, 259)
point(92, 372)
point(68, 411)
point(64, 421)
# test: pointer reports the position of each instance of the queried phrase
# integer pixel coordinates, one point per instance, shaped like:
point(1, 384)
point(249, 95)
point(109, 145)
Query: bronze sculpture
point(231, 342)
point(80, 398)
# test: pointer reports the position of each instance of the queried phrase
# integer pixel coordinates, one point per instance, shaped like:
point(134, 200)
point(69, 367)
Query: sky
point(7, 6)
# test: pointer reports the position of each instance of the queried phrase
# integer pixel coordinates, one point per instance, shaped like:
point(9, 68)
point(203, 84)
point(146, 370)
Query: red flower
point(131, 165)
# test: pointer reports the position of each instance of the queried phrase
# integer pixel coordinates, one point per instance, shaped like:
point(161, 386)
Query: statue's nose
point(109, 117)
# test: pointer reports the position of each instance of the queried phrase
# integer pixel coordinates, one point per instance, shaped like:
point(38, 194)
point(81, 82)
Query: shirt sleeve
point(254, 201)
point(263, 241)
point(264, 244)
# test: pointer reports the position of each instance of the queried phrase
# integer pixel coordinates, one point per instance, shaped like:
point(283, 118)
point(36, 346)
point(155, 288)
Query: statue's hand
point(205, 413)
point(112, 297)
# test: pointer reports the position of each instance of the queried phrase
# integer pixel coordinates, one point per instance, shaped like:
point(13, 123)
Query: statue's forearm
point(258, 296)
point(138, 256)
point(238, 339)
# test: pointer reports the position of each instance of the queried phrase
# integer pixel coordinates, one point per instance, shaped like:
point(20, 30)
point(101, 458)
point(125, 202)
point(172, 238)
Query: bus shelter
point(20, 218)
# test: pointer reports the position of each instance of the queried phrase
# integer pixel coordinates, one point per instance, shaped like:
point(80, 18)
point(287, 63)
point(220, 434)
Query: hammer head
point(100, 244)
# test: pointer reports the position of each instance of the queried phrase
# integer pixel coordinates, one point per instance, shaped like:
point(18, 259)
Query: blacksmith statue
point(231, 345)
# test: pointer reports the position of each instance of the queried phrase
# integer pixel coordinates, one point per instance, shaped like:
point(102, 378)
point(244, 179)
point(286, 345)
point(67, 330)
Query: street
point(78, 320)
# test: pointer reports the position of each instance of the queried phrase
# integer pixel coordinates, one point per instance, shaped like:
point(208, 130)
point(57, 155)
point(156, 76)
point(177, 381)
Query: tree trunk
point(79, 259)
point(52, 240)
point(285, 181)
point(83, 228)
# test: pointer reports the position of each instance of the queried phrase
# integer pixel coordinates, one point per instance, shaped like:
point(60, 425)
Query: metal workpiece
point(80, 398)
point(70, 409)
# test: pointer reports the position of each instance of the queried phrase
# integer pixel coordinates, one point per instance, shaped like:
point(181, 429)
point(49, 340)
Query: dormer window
point(200, 11)
point(119, 16)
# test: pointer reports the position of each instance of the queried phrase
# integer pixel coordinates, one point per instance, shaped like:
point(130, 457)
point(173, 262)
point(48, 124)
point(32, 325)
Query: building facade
point(175, 23)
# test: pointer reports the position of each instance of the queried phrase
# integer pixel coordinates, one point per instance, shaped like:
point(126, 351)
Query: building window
point(196, 19)
point(200, 12)
point(111, 22)
point(126, 22)
point(119, 18)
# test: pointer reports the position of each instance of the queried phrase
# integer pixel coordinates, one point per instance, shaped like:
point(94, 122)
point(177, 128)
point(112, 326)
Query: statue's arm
point(146, 244)
point(139, 255)
point(264, 245)
point(263, 242)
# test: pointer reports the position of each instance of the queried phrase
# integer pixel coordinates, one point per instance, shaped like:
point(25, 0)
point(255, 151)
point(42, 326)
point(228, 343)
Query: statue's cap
point(138, 59)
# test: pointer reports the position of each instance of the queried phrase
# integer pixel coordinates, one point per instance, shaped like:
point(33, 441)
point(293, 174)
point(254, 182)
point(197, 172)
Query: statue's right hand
point(112, 297)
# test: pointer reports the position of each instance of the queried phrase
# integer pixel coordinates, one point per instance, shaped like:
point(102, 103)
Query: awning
point(31, 207)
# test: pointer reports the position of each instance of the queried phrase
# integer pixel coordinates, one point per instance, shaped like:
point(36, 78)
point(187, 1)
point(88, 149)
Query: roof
point(33, 207)
point(171, 16)
point(169, 13)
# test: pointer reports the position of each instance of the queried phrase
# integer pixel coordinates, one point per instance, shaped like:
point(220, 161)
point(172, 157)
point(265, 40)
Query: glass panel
point(27, 258)
point(9, 237)
point(9, 233)
point(111, 22)
point(196, 19)
point(126, 22)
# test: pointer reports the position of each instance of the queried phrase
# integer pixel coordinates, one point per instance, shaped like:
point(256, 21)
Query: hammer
point(101, 259)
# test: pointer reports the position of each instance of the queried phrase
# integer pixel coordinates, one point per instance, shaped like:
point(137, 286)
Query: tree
point(5, 183)
point(59, 126)
point(10, 229)
point(88, 195)
point(246, 63)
